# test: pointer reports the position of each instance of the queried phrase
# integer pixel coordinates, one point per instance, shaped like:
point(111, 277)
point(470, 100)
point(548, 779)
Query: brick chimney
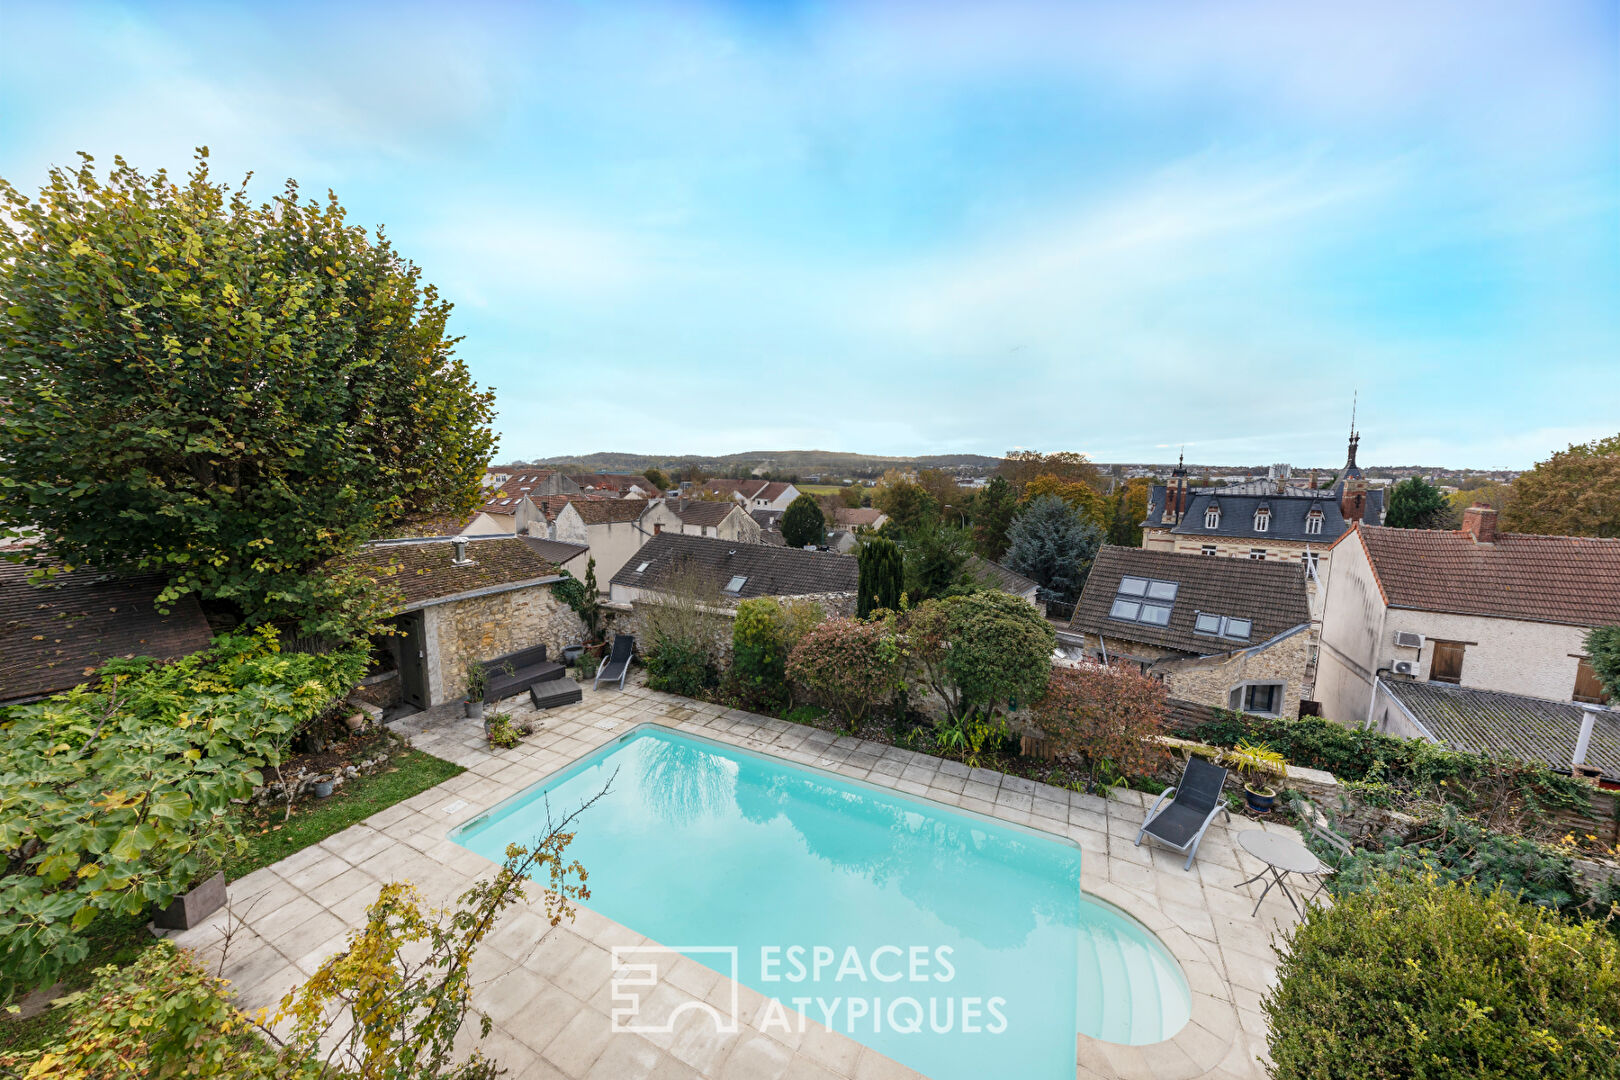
point(1479, 521)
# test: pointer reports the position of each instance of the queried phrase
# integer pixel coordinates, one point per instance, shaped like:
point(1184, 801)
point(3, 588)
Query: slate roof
point(1527, 728)
point(1272, 594)
point(702, 512)
point(770, 571)
point(1288, 513)
point(615, 482)
point(51, 635)
point(767, 519)
point(1569, 580)
point(856, 516)
point(424, 573)
point(1004, 579)
point(554, 551)
point(609, 511)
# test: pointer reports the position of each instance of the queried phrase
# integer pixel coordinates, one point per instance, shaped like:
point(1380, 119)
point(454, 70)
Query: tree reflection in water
point(683, 783)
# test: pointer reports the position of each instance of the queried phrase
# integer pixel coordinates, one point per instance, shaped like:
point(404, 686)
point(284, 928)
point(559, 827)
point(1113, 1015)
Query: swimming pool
point(869, 911)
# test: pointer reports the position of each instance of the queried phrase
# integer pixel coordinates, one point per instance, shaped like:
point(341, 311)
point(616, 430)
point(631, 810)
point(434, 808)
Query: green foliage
point(993, 511)
point(1257, 763)
point(764, 632)
point(391, 1004)
point(477, 681)
point(1576, 492)
point(981, 653)
point(571, 591)
point(909, 507)
point(679, 667)
point(1414, 503)
point(1053, 544)
point(882, 576)
point(965, 738)
point(936, 562)
point(684, 634)
point(1422, 978)
point(1603, 652)
point(849, 666)
point(503, 734)
point(585, 667)
point(803, 523)
point(117, 796)
point(658, 478)
point(161, 1016)
point(227, 394)
point(590, 608)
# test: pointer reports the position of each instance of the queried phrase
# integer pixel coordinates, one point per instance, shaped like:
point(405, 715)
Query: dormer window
point(1313, 523)
point(1212, 518)
point(1262, 520)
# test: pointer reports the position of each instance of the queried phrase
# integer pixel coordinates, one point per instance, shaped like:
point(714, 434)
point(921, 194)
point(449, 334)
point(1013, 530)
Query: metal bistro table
point(1282, 856)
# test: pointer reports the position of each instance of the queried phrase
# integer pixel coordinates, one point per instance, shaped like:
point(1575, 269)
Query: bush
point(882, 576)
point(1423, 978)
point(983, 652)
point(682, 634)
point(848, 666)
point(148, 1019)
point(1107, 718)
point(763, 634)
point(116, 796)
point(1603, 646)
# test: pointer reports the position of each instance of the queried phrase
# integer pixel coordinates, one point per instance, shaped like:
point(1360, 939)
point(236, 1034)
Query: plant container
point(1260, 800)
point(321, 788)
point(191, 908)
point(475, 709)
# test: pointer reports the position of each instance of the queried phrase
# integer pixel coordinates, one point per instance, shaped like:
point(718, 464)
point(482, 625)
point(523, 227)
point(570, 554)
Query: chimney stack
point(459, 546)
point(1479, 521)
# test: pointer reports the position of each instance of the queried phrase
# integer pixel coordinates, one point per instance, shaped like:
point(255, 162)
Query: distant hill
point(802, 462)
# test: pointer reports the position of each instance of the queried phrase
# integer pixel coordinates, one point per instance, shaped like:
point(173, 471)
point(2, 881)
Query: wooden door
point(1447, 663)
point(1587, 687)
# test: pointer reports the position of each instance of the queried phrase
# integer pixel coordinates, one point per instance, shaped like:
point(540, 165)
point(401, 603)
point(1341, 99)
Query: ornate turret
point(1353, 485)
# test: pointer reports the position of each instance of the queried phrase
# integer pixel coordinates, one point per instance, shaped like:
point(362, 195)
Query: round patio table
point(1282, 856)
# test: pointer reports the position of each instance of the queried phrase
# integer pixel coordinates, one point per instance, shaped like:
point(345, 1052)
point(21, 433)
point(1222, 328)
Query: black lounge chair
point(617, 665)
point(1197, 800)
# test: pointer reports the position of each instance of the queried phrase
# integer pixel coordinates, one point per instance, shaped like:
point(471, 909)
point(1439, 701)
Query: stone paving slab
point(546, 987)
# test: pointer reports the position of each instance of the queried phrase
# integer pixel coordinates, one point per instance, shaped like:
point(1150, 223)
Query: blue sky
point(932, 227)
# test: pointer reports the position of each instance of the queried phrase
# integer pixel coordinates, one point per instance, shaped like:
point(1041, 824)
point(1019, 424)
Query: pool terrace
point(547, 988)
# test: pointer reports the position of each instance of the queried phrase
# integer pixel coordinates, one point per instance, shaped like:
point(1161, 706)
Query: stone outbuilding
point(1230, 633)
point(465, 600)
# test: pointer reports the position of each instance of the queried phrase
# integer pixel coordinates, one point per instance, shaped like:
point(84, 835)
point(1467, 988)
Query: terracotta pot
point(205, 898)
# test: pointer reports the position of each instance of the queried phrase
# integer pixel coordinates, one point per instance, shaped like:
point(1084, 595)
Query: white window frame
point(1212, 518)
point(1257, 554)
point(1262, 521)
point(1313, 523)
point(1242, 690)
point(1208, 549)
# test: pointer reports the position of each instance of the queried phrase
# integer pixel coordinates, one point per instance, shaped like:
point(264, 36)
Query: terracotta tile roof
point(1270, 594)
point(51, 635)
point(619, 482)
point(425, 573)
point(856, 516)
point(1571, 580)
point(1526, 728)
point(430, 525)
point(767, 570)
point(609, 511)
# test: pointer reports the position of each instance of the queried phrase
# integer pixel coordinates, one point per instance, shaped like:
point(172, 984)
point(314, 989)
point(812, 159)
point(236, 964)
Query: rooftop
point(765, 570)
point(53, 636)
point(1231, 595)
point(702, 511)
point(1571, 580)
point(425, 573)
point(1526, 728)
point(609, 511)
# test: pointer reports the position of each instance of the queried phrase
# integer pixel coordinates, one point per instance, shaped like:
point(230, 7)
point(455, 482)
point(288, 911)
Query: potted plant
point(477, 683)
point(1257, 763)
point(190, 908)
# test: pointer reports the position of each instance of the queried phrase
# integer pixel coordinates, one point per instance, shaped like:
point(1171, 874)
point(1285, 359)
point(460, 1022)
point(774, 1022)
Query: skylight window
point(735, 584)
point(1222, 626)
point(1144, 600)
point(642, 569)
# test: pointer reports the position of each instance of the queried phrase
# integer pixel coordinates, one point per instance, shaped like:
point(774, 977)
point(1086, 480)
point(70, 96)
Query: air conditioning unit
point(1405, 639)
point(1405, 667)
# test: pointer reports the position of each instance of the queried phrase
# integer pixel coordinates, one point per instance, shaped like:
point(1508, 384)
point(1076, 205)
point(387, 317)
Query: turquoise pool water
point(922, 916)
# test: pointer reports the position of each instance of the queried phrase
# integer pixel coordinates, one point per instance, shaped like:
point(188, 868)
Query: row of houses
point(1470, 638)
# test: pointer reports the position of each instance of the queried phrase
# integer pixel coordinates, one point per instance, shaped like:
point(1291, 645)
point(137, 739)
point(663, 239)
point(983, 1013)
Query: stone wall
point(484, 627)
point(1210, 681)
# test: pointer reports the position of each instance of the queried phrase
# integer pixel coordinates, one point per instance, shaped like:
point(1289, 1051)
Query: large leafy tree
point(1414, 503)
point(227, 393)
point(993, 512)
point(1576, 492)
point(936, 562)
point(1603, 647)
point(908, 506)
point(803, 523)
point(1022, 466)
point(1053, 544)
point(981, 652)
point(1083, 497)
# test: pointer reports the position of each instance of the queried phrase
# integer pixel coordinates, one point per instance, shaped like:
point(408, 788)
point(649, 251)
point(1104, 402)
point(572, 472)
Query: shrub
point(763, 634)
point(156, 1017)
point(1423, 978)
point(571, 591)
point(882, 576)
point(115, 796)
point(1105, 717)
point(848, 666)
point(682, 631)
point(983, 652)
point(1603, 646)
point(503, 734)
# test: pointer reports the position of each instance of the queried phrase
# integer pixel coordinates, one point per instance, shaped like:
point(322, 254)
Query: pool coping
point(1195, 1049)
